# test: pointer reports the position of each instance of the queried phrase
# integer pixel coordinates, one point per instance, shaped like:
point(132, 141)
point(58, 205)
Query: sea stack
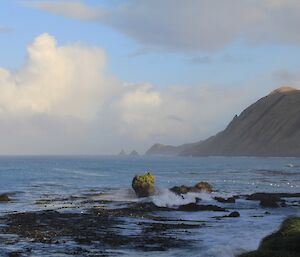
point(143, 185)
point(122, 153)
point(134, 153)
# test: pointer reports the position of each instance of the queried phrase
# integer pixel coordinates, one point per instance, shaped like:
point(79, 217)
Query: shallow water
point(34, 180)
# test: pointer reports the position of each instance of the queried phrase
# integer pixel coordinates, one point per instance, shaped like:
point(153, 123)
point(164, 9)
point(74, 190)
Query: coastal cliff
point(269, 127)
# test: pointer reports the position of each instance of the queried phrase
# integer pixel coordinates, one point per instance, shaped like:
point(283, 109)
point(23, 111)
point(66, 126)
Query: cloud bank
point(205, 25)
point(5, 29)
point(64, 101)
point(70, 9)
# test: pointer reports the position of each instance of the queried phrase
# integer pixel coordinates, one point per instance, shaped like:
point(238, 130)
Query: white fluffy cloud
point(62, 100)
point(193, 24)
point(64, 81)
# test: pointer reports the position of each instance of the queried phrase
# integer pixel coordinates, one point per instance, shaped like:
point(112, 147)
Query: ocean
point(76, 184)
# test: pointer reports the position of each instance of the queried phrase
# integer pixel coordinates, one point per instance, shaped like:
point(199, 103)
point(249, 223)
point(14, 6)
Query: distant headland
point(268, 127)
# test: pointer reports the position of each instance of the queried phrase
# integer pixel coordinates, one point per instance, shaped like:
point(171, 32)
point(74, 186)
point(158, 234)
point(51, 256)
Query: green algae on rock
point(143, 185)
point(283, 243)
point(199, 187)
point(4, 198)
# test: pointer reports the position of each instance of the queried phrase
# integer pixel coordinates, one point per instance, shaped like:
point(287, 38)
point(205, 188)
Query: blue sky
point(167, 53)
point(235, 63)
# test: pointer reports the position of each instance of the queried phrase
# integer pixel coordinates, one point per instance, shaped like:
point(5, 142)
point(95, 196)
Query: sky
point(95, 77)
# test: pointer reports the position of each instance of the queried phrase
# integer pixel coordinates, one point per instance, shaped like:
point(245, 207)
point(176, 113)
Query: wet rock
point(202, 186)
point(138, 209)
point(283, 243)
point(199, 187)
point(269, 203)
point(4, 198)
point(198, 199)
point(102, 228)
point(266, 200)
point(272, 199)
point(180, 189)
point(143, 185)
point(162, 227)
point(283, 203)
point(224, 200)
point(197, 207)
point(234, 214)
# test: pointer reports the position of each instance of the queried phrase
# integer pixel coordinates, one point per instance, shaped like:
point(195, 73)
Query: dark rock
point(180, 189)
point(266, 200)
point(263, 196)
point(4, 198)
point(269, 203)
point(197, 207)
point(198, 199)
point(283, 204)
point(223, 200)
point(101, 228)
point(234, 214)
point(143, 185)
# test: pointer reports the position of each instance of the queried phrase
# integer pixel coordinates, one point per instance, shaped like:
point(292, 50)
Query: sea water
point(30, 179)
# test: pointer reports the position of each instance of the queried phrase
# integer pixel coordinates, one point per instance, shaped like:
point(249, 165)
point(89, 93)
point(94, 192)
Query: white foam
point(166, 198)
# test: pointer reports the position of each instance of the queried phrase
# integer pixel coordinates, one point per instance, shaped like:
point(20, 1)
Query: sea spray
point(166, 198)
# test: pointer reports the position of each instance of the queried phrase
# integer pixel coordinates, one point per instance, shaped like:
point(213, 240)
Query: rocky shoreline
point(99, 227)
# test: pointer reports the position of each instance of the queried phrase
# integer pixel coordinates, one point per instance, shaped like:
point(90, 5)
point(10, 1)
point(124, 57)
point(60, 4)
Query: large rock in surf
point(199, 187)
point(266, 200)
point(224, 200)
point(283, 243)
point(143, 185)
point(4, 198)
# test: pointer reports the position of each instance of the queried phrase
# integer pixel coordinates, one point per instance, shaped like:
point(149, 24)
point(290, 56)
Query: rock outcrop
point(201, 186)
point(4, 198)
point(283, 243)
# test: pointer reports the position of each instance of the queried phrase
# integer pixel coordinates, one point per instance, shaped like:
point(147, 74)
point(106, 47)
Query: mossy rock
point(283, 243)
point(4, 198)
point(143, 185)
point(203, 186)
point(199, 187)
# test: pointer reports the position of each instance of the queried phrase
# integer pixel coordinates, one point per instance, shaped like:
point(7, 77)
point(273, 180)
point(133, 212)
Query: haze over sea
point(39, 183)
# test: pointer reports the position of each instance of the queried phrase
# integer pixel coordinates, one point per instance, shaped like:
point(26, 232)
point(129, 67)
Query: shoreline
point(101, 225)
